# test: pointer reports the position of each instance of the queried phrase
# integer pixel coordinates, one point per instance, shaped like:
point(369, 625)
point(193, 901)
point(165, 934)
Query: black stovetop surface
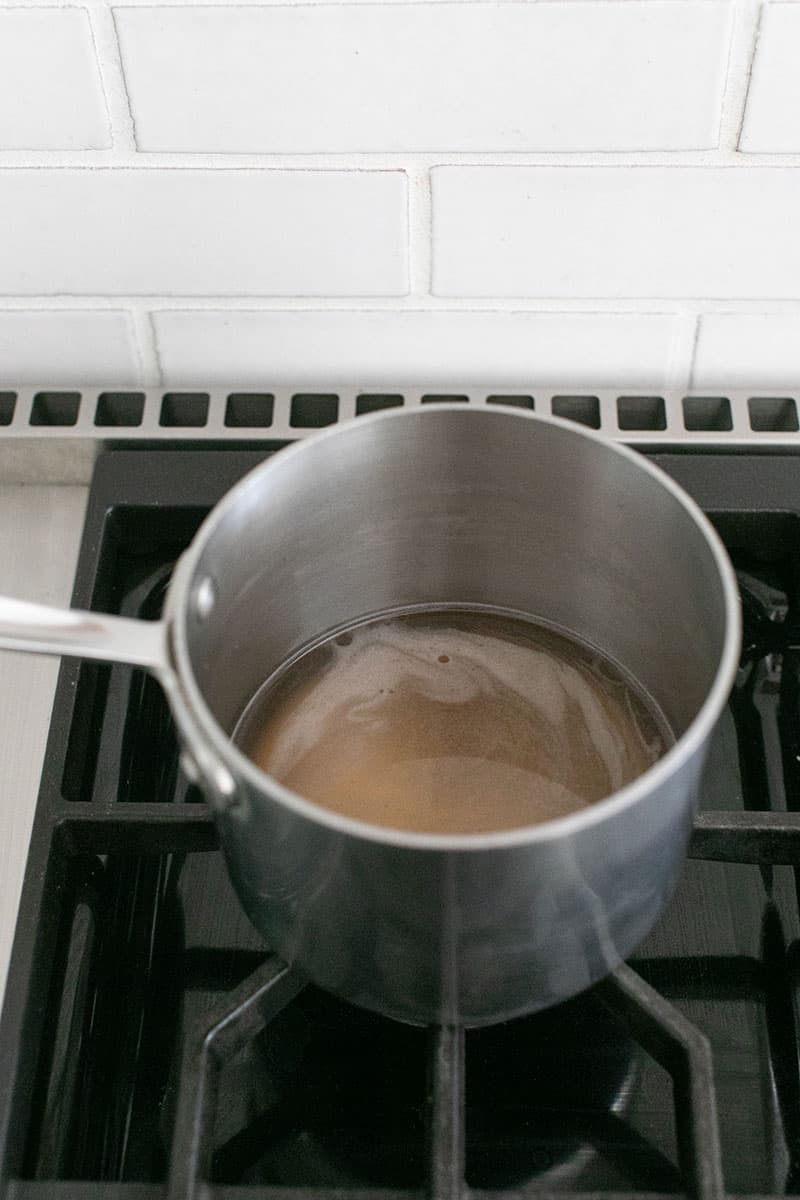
point(149, 1040)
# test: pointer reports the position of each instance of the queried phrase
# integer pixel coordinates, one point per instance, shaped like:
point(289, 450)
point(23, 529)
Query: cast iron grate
point(141, 1007)
point(673, 1041)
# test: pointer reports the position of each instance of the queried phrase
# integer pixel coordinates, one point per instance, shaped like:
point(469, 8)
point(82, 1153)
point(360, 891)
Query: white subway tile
point(195, 232)
point(616, 232)
point(455, 76)
point(748, 350)
point(772, 116)
point(50, 93)
point(393, 349)
point(66, 347)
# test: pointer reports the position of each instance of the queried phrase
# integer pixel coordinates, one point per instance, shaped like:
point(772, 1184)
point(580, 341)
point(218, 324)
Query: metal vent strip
point(54, 433)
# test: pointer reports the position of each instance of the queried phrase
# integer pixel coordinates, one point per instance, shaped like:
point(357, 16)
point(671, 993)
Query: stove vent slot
point(707, 413)
point(432, 398)
point(122, 410)
point(184, 410)
point(249, 410)
point(772, 415)
point(512, 401)
point(583, 409)
point(8, 402)
point(55, 408)
point(370, 402)
point(313, 410)
point(641, 412)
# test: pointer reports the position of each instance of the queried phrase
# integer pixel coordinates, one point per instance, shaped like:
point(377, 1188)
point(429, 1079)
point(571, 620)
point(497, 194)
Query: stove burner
point(530, 1121)
point(282, 1096)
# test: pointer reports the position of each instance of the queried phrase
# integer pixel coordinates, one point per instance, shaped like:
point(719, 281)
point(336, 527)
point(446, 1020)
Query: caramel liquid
point(452, 721)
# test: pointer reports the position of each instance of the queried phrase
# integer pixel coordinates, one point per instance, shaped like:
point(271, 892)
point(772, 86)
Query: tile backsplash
point(598, 192)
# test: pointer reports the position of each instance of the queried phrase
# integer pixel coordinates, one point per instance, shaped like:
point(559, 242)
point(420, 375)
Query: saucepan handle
point(43, 630)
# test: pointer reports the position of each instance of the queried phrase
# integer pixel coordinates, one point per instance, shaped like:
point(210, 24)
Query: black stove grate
point(151, 1046)
point(672, 1041)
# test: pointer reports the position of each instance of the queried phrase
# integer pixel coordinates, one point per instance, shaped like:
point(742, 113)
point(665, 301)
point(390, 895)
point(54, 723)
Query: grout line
point(747, 75)
point(125, 156)
point(741, 51)
point(146, 346)
point(579, 306)
point(729, 80)
point(151, 4)
point(99, 62)
point(104, 32)
point(695, 342)
point(419, 233)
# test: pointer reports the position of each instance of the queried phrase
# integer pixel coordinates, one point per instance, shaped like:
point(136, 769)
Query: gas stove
point(152, 1045)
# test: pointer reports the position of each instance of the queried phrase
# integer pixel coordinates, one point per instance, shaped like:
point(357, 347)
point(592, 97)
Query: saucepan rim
point(205, 728)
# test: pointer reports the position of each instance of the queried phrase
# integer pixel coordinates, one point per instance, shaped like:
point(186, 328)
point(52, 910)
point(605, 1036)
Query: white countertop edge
point(40, 532)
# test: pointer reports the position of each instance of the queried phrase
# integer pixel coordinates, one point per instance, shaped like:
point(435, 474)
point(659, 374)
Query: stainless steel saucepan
point(429, 506)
